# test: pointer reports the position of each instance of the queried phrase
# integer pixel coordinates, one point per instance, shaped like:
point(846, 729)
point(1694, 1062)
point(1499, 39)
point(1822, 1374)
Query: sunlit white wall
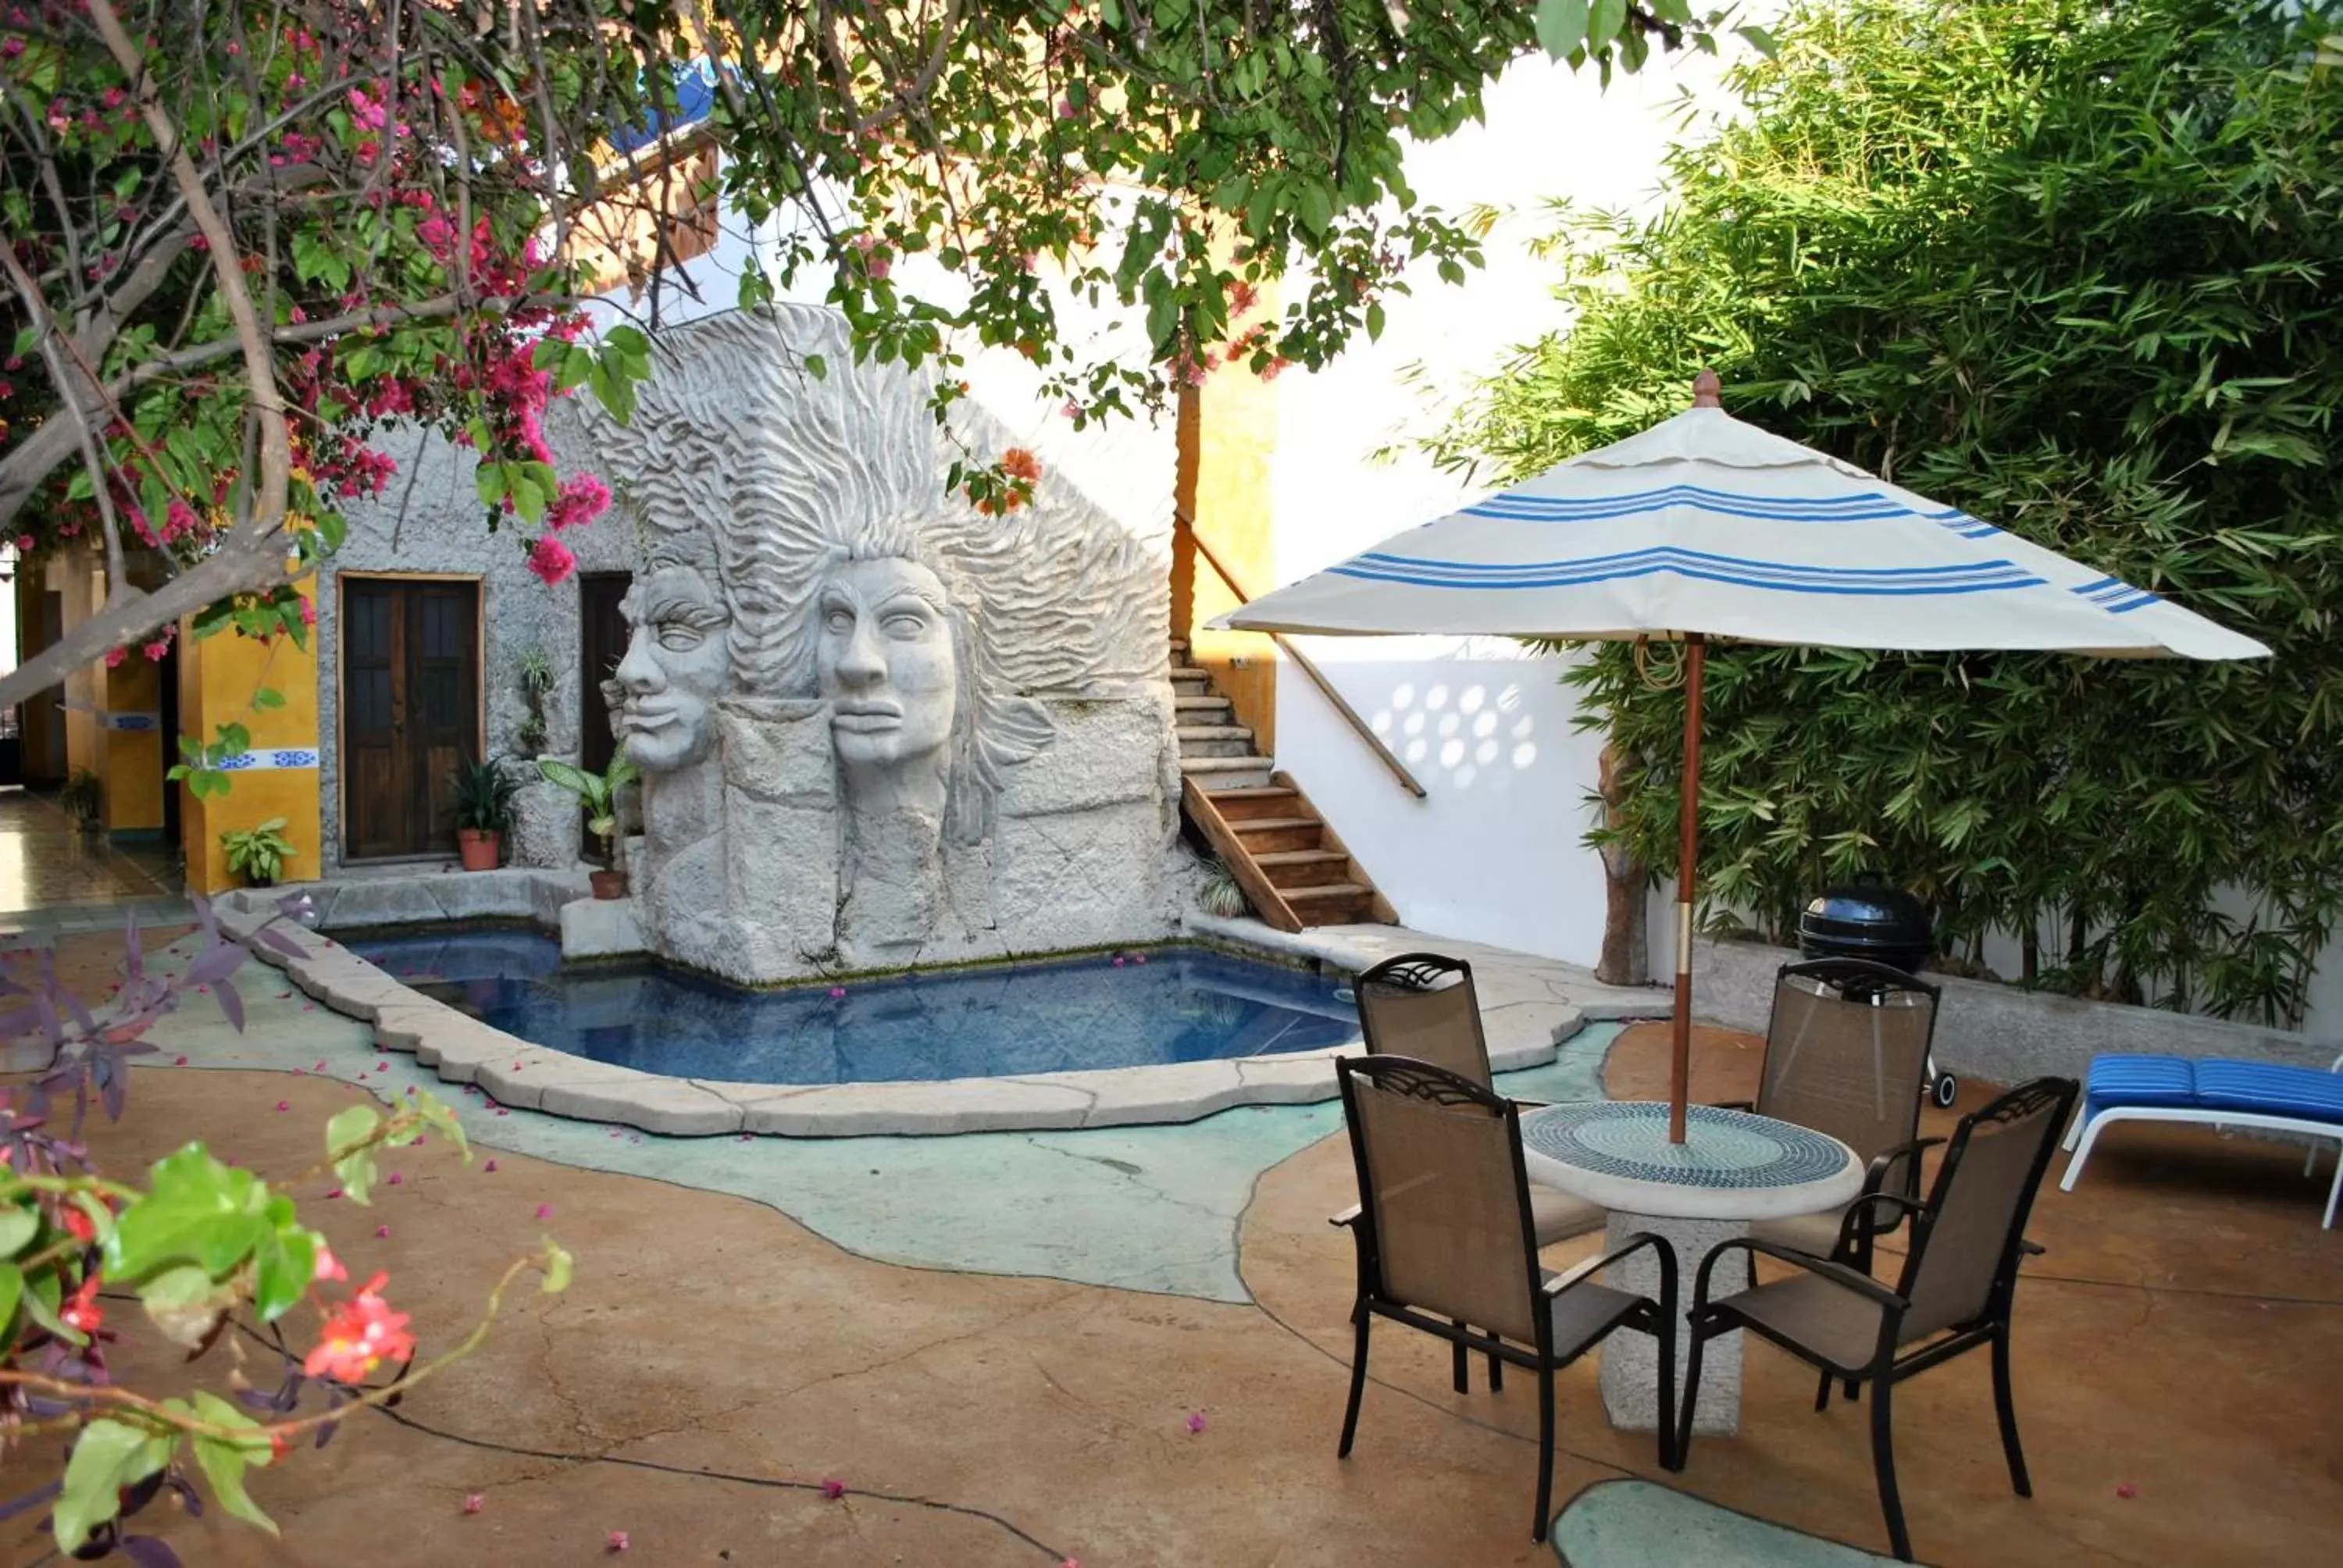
point(1493, 853)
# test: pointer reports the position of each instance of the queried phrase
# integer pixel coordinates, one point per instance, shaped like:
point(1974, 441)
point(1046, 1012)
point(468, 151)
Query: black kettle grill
point(1869, 919)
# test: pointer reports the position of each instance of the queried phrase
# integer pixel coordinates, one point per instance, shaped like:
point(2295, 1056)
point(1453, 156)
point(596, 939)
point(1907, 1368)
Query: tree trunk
point(1626, 958)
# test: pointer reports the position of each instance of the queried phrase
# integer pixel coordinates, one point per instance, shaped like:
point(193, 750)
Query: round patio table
point(1732, 1168)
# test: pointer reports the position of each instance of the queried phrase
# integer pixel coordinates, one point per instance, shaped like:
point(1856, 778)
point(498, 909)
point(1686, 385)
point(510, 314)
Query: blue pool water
point(1183, 1004)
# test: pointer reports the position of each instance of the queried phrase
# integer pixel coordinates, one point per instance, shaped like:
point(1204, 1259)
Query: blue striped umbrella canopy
point(1705, 527)
point(1705, 524)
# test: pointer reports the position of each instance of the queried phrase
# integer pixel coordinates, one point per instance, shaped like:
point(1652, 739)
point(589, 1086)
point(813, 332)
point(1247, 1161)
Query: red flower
point(359, 1335)
point(81, 1311)
point(78, 1225)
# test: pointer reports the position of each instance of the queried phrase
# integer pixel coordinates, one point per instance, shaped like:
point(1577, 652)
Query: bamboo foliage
point(2078, 269)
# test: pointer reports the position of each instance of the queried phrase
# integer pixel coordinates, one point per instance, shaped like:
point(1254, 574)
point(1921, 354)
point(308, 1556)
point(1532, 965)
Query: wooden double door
point(410, 711)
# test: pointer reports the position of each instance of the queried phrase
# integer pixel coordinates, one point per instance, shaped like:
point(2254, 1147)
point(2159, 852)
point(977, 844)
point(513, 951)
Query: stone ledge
point(1528, 1012)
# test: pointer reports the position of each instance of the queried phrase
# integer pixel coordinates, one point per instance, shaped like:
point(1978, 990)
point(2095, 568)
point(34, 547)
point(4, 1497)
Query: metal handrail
point(1303, 662)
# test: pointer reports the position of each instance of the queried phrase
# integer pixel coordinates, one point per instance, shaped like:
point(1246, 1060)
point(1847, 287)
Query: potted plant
point(259, 853)
point(83, 798)
point(484, 797)
point(598, 792)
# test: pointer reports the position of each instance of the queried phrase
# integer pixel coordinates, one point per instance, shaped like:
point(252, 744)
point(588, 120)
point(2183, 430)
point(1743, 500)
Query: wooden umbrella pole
point(1687, 873)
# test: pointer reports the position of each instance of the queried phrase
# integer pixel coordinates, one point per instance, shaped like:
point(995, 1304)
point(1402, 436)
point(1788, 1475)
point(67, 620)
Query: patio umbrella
point(1706, 527)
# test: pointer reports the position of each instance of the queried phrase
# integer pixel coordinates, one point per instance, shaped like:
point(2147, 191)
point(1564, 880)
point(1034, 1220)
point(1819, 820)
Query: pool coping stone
point(1530, 1005)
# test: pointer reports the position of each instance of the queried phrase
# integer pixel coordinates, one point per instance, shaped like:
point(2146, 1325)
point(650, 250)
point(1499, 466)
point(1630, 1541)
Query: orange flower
point(1019, 463)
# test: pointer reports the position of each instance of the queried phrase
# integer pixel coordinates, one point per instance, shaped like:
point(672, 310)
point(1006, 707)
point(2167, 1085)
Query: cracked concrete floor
point(710, 1333)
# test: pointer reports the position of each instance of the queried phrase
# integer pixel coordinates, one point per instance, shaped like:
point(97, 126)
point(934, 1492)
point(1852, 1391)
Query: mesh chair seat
point(1815, 1233)
point(1585, 1312)
point(1557, 1216)
point(1826, 1318)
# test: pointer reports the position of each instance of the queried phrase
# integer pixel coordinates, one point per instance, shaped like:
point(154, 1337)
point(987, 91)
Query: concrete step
point(1239, 806)
point(1202, 709)
point(1294, 869)
point(1216, 774)
point(1215, 740)
point(1179, 647)
point(1191, 674)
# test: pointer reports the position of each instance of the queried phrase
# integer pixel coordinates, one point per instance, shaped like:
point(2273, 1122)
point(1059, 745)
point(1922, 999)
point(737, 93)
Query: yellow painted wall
point(133, 765)
point(218, 675)
point(1227, 436)
point(76, 578)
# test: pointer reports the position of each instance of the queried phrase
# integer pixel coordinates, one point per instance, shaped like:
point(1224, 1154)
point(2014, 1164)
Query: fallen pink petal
point(395, 1178)
point(617, 1541)
point(474, 1503)
point(490, 1166)
point(1196, 1422)
point(284, 1105)
point(179, 1061)
point(545, 1210)
point(833, 1488)
point(2127, 1491)
point(381, 1232)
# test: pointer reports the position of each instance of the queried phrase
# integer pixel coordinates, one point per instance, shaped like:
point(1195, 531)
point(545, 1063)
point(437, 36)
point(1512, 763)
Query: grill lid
point(1867, 918)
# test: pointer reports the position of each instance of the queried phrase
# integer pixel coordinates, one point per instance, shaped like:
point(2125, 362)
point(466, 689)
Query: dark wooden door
point(410, 711)
point(602, 642)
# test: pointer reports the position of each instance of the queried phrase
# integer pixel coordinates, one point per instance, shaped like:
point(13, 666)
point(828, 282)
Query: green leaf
point(225, 1460)
point(352, 1125)
point(285, 1263)
point(1561, 25)
point(575, 779)
point(1604, 19)
point(1375, 320)
point(268, 698)
point(107, 1455)
point(18, 1225)
point(12, 1286)
point(196, 1210)
point(437, 1116)
point(1761, 40)
point(559, 1266)
point(816, 366)
point(1315, 208)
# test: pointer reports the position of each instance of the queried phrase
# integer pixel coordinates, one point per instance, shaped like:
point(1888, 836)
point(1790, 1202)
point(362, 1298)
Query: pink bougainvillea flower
point(836, 991)
point(381, 1233)
point(2127, 1491)
point(833, 1488)
point(474, 1503)
point(115, 656)
point(615, 1541)
point(545, 1210)
point(1196, 1420)
point(382, 1066)
point(335, 1192)
point(284, 1105)
point(321, 1067)
point(359, 1335)
point(551, 560)
point(1118, 963)
point(327, 1267)
point(502, 1111)
point(179, 1062)
point(395, 1178)
point(1139, 959)
point(490, 1167)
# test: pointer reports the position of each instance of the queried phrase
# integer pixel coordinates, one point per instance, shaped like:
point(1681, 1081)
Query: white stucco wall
point(1495, 852)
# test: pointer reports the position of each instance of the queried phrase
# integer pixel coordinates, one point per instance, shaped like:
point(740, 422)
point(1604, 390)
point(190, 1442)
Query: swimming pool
point(1169, 1005)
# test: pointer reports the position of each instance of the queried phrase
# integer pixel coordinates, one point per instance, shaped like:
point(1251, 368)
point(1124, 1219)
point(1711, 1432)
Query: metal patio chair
point(1954, 1291)
point(1846, 1054)
point(1444, 1245)
point(1423, 1006)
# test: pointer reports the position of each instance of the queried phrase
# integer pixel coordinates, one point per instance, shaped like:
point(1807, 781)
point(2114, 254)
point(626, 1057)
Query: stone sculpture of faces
point(886, 661)
point(673, 671)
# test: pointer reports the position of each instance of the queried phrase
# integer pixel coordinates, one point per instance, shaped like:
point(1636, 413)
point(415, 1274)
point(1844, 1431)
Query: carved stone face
point(885, 661)
point(673, 671)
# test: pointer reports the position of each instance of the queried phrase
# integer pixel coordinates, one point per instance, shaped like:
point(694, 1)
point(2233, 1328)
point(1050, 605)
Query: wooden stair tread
point(1225, 765)
point(1325, 890)
point(1263, 792)
point(1267, 824)
point(1299, 857)
point(1214, 732)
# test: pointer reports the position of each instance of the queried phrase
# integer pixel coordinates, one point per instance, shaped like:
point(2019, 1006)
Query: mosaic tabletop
point(1723, 1149)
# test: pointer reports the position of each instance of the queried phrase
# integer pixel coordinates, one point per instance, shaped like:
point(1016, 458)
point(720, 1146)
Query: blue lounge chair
point(2257, 1094)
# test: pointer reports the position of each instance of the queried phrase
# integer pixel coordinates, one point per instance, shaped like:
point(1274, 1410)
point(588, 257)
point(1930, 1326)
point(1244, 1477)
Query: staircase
point(1292, 866)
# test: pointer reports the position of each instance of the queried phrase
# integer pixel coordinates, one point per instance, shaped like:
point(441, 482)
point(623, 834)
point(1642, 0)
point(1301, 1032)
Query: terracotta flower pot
point(609, 884)
point(479, 849)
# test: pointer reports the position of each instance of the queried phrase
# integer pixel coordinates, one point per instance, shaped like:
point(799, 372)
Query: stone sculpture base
point(1631, 1361)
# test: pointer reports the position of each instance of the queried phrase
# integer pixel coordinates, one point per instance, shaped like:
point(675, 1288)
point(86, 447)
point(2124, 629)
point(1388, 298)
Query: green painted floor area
point(1638, 1524)
point(1141, 1207)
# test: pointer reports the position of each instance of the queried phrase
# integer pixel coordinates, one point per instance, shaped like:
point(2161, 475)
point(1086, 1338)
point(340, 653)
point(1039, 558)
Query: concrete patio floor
point(717, 1360)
